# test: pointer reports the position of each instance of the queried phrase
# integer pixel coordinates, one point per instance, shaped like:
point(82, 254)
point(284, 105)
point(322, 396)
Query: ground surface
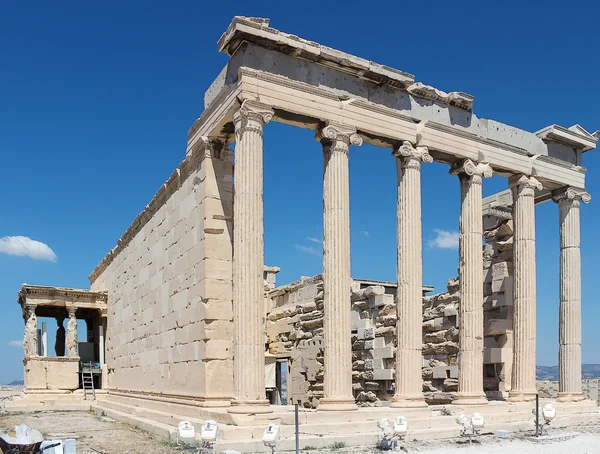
point(96, 434)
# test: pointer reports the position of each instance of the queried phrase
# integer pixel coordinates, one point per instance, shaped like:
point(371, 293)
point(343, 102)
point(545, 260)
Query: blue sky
point(96, 100)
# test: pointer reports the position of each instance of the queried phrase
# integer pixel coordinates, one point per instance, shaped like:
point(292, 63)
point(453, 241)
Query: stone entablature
point(61, 297)
point(303, 78)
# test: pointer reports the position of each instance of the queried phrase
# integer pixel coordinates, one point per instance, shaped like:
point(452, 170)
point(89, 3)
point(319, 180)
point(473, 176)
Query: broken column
point(336, 139)
point(248, 261)
point(71, 340)
point(523, 387)
point(409, 296)
point(470, 376)
point(569, 354)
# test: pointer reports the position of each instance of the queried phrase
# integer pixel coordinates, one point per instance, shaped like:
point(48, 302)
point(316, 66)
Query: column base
point(521, 396)
point(570, 397)
point(250, 407)
point(470, 399)
point(337, 405)
point(409, 401)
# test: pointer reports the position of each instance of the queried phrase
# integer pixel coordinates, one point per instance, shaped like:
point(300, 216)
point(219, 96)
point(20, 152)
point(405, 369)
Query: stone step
point(162, 430)
point(320, 435)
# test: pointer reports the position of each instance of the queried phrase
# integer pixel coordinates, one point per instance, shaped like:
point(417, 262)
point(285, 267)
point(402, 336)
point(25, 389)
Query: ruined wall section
point(498, 301)
point(170, 290)
point(295, 331)
point(440, 345)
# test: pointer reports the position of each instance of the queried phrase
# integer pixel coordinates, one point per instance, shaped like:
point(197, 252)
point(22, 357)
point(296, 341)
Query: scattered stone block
point(385, 352)
point(383, 374)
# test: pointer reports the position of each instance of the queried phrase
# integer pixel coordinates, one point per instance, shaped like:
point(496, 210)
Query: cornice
point(582, 140)
point(258, 31)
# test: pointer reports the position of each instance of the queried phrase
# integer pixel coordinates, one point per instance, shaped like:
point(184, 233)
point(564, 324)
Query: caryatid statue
point(71, 342)
point(30, 337)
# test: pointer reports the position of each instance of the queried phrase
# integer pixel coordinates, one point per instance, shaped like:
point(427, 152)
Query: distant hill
point(17, 383)
point(551, 372)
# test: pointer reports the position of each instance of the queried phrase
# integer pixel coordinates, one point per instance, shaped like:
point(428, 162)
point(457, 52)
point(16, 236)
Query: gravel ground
point(96, 434)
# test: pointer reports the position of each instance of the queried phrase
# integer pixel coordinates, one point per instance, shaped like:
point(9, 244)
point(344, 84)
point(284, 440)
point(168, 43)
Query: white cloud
point(365, 233)
point(26, 247)
point(315, 240)
point(16, 343)
point(308, 249)
point(444, 240)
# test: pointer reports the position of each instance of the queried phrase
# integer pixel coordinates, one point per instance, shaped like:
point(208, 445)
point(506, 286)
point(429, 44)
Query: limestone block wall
point(498, 302)
point(589, 386)
point(51, 373)
point(170, 290)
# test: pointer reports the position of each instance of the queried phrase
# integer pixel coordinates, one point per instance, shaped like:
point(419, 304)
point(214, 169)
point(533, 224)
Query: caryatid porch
point(46, 373)
point(348, 100)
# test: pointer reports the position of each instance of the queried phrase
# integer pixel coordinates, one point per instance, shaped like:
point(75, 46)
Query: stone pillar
point(409, 296)
point(101, 340)
point(44, 351)
point(30, 336)
point(523, 383)
point(71, 341)
point(470, 355)
point(337, 387)
point(569, 353)
point(248, 261)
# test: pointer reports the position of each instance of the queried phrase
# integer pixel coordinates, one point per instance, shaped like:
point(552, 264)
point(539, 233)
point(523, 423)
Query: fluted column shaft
point(248, 261)
point(470, 355)
point(569, 354)
point(336, 139)
point(523, 385)
point(409, 295)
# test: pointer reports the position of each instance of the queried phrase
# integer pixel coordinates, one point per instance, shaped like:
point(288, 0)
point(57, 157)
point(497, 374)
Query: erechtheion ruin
point(186, 320)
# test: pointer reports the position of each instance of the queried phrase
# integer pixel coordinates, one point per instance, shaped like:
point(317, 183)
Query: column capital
point(252, 115)
point(71, 310)
point(408, 155)
point(339, 133)
point(575, 195)
point(524, 182)
point(472, 169)
point(210, 147)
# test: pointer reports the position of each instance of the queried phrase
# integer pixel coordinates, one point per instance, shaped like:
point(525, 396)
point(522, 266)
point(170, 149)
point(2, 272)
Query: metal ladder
point(87, 381)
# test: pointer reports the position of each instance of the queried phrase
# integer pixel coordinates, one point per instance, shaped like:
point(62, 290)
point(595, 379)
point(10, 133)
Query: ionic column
point(30, 336)
point(569, 353)
point(523, 384)
point(248, 261)
point(336, 139)
point(409, 296)
point(470, 355)
point(71, 342)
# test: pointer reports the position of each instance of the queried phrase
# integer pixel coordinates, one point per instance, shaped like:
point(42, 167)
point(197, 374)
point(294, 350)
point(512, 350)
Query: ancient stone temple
point(197, 329)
